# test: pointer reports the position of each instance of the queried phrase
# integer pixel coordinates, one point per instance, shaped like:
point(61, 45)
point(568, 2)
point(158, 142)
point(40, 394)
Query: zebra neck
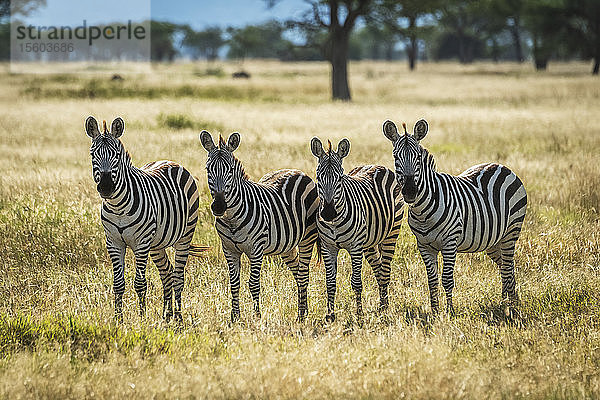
point(124, 199)
point(238, 201)
point(427, 191)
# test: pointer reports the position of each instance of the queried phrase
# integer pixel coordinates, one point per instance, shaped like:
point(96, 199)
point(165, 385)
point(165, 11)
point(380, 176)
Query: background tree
point(337, 18)
point(20, 7)
point(258, 41)
point(203, 44)
point(463, 22)
point(410, 19)
point(162, 36)
point(584, 29)
point(511, 11)
point(546, 22)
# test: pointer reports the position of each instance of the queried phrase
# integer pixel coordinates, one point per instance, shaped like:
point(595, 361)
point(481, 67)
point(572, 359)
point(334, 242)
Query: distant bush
point(216, 71)
point(175, 121)
point(182, 121)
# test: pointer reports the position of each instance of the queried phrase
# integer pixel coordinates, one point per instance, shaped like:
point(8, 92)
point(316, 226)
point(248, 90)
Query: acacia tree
point(584, 23)
point(204, 43)
point(337, 18)
point(407, 18)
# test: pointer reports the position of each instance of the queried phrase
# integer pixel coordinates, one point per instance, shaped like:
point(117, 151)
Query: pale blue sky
point(198, 13)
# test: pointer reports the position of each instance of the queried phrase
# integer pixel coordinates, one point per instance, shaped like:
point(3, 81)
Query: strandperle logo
point(90, 33)
point(63, 36)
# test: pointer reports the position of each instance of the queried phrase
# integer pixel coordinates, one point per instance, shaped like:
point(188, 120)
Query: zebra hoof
point(235, 316)
point(330, 318)
point(178, 318)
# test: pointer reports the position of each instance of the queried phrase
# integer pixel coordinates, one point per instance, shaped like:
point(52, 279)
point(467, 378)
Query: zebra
point(146, 209)
point(360, 212)
point(482, 209)
point(274, 216)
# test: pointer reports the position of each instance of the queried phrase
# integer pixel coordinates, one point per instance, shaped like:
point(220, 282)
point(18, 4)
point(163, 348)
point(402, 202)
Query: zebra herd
point(285, 213)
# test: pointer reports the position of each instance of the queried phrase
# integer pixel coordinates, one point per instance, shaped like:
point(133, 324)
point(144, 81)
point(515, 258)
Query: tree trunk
point(495, 50)
point(412, 52)
point(541, 63)
point(339, 67)
point(412, 44)
point(516, 36)
point(539, 54)
point(462, 51)
point(596, 65)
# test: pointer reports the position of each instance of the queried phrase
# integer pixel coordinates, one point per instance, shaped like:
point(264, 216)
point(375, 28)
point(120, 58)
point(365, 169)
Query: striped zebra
point(274, 216)
point(360, 212)
point(481, 209)
point(146, 209)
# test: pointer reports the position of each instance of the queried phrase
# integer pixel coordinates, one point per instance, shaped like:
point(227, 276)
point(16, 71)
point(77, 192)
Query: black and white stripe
point(146, 209)
point(360, 212)
point(274, 216)
point(481, 209)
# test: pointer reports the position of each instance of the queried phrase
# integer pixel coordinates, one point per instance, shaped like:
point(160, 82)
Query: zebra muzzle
point(328, 212)
point(106, 186)
point(409, 189)
point(218, 205)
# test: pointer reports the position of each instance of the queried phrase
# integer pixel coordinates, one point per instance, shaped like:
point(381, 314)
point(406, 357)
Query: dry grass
point(57, 338)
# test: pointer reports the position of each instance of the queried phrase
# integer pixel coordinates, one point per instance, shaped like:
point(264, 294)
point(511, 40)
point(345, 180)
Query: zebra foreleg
point(140, 284)
point(254, 282)
point(356, 256)
point(233, 262)
point(449, 259)
point(330, 254)
point(164, 268)
point(117, 256)
point(429, 256)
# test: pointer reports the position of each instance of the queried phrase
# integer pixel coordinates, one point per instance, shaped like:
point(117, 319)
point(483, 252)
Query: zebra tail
point(198, 251)
point(319, 245)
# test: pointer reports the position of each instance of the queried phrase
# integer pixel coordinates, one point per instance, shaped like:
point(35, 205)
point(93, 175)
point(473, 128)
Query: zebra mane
point(428, 159)
point(222, 142)
point(237, 162)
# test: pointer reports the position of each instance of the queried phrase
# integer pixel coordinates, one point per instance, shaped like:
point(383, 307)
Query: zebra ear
point(390, 131)
point(91, 127)
point(206, 141)
point(117, 127)
point(233, 142)
point(316, 147)
point(420, 130)
point(343, 148)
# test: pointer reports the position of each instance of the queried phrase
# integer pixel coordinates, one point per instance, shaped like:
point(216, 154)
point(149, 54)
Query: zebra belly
point(125, 231)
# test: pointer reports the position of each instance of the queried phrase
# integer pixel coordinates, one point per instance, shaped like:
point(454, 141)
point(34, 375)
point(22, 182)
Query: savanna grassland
point(57, 334)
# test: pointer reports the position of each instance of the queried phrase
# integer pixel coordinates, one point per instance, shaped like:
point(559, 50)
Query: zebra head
point(329, 176)
point(223, 169)
point(408, 156)
point(107, 153)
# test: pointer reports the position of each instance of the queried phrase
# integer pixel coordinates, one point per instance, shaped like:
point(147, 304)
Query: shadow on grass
point(497, 315)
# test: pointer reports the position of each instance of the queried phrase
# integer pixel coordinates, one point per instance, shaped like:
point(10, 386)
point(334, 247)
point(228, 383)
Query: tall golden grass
point(57, 336)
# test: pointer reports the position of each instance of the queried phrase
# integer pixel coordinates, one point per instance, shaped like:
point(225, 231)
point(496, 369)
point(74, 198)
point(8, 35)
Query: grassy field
point(57, 335)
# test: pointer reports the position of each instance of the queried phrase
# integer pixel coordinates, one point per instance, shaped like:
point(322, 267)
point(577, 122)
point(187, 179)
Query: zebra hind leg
point(161, 260)
point(503, 255)
point(386, 250)
point(296, 262)
point(373, 256)
point(182, 251)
